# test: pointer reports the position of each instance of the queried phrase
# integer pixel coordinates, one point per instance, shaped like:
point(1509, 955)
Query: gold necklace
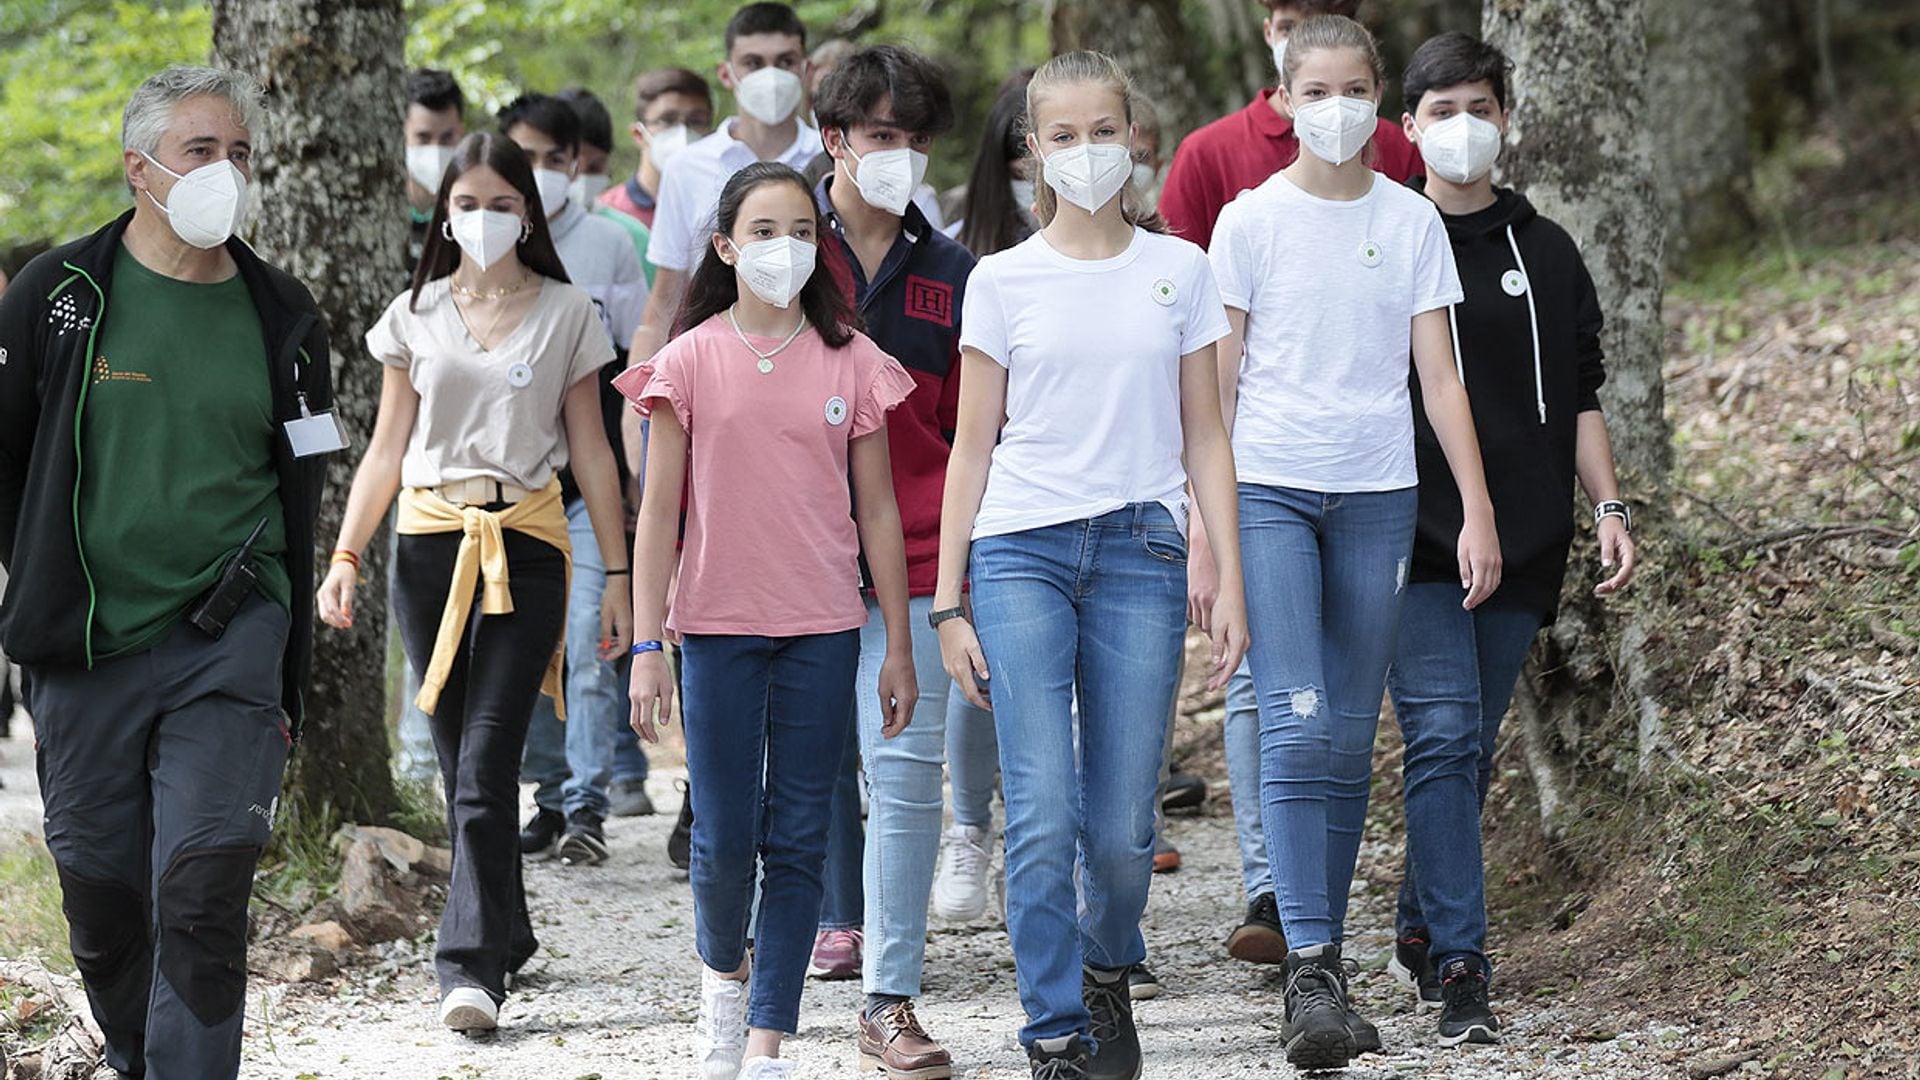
point(489, 294)
point(486, 341)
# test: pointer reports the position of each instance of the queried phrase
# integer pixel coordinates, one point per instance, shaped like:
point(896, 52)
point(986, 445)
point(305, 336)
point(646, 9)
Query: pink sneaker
point(836, 954)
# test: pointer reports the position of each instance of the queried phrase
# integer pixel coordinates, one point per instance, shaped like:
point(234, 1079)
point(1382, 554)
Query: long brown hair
point(504, 156)
point(1065, 70)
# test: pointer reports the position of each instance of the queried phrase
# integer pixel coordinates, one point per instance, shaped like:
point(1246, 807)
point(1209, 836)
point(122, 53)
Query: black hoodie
point(49, 318)
point(1528, 342)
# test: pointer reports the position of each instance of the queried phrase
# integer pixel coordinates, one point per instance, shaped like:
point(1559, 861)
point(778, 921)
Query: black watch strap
point(935, 618)
point(1614, 508)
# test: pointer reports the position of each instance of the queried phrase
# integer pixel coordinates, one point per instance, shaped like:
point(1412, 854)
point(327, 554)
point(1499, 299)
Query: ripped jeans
point(1325, 574)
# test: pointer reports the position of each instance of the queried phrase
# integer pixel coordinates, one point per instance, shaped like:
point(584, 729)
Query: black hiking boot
point(585, 843)
point(541, 838)
point(1259, 939)
point(1314, 1029)
point(1067, 1063)
point(1116, 1053)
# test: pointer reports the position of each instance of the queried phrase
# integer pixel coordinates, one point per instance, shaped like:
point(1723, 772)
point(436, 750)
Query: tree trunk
point(1167, 60)
point(328, 187)
point(1579, 147)
point(1700, 58)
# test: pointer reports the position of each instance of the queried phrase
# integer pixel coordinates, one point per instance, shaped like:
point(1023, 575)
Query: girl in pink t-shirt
point(775, 424)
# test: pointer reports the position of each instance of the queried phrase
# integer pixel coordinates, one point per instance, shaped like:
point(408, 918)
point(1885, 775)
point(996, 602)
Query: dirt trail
point(612, 993)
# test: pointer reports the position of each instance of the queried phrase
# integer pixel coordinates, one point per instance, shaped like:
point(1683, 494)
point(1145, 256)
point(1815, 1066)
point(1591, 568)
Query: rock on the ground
point(292, 959)
point(405, 853)
point(329, 935)
point(378, 902)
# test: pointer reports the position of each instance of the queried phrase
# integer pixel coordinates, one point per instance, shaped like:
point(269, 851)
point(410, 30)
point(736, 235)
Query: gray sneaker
point(628, 798)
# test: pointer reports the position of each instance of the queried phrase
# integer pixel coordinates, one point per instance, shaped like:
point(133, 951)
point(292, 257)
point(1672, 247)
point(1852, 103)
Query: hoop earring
point(446, 229)
point(526, 230)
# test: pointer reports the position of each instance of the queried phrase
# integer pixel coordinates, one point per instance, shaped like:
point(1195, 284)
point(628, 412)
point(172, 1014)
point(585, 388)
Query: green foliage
point(67, 67)
point(34, 924)
point(66, 70)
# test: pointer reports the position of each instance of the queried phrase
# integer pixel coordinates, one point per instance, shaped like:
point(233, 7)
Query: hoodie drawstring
point(1533, 326)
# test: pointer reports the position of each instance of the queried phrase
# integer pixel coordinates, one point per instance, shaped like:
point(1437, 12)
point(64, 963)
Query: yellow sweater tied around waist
point(483, 559)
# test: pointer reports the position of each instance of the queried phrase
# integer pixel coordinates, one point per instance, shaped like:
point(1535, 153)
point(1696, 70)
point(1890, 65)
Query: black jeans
point(479, 730)
point(160, 773)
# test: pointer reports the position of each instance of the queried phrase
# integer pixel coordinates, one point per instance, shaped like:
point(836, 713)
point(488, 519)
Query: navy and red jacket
point(911, 309)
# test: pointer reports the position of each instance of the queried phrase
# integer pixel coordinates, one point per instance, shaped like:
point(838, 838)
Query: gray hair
point(150, 110)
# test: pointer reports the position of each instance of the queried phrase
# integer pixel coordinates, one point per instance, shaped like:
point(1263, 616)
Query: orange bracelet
point(344, 555)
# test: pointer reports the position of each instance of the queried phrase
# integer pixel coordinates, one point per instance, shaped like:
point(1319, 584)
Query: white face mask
point(888, 178)
point(1280, 58)
point(769, 95)
point(776, 269)
point(1335, 128)
point(587, 187)
point(663, 145)
point(206, 205)
point(1090, 174)
point(1023, 196)
point(485, 235)
point(1459, 149)
point(553, 186)
point(427, 165)
point(1143, 177)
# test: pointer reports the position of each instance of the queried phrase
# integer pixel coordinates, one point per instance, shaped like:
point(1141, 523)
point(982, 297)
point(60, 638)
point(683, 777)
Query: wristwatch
point(935, 618)
point(1614, 508)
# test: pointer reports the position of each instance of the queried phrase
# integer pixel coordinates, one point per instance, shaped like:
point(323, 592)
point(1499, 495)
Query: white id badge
point(312, 435)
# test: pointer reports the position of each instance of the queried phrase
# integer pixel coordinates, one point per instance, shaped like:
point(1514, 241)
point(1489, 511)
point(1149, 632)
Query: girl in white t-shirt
point(491, 387)
point(1330, 275)
point(1088, 379)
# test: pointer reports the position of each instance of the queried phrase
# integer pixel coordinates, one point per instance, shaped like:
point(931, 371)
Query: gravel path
point(613, 991)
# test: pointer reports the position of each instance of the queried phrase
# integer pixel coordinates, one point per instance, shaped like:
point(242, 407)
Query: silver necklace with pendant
point(766, 358)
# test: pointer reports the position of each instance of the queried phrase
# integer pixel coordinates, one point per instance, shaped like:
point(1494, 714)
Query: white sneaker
point(960, 888)
point(722, 1035)
point(468, 1008)
point(766, 1068)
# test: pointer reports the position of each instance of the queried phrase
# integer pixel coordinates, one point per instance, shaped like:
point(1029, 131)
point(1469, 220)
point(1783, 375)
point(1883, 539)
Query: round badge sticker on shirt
point(1513, 282)
point(1164, 292)
point(519, 375)
point(836, 410)
point(1369, 253)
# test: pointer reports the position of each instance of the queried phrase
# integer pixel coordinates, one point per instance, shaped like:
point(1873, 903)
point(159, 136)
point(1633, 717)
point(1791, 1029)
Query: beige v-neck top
point(496, 412)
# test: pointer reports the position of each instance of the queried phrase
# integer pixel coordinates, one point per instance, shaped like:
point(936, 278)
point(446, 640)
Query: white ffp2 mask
point(769, 95)
point(1459, 149)
point(587, 187)
point(888, 178)
point(554, 186)
point(1090, 174)
point(427, 165)
point(663, 145)
point(1335, 128)
point(485, 235)
point(205, 207)
point(776, 269)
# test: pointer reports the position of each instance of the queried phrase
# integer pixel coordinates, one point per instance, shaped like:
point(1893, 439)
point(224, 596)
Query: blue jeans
point(572, 763)
point(766, 729)
point(973, 761)
point(903, 801)
point(1094, 608)
point(1324, 574)
point(1453, 675)
point(844, 905)
point(1241, 738)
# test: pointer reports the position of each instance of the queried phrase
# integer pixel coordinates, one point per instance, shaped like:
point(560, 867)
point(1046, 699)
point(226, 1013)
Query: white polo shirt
point(690, 189)
point(600, 258)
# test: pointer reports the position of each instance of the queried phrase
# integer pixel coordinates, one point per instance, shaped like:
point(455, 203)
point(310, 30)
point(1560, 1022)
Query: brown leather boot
point(895, 1044)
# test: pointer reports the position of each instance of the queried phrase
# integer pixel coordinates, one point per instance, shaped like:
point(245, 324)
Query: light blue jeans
point(1241, 738)
point(903, 801)
point(1325, 574)
point(1093, 609)
point(973, 761)
point(572, 763)
point(1453, 675)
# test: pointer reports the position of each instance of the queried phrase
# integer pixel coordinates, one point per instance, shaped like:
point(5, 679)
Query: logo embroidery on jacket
point(103, 372)
point(65, 316)
point(930, 300)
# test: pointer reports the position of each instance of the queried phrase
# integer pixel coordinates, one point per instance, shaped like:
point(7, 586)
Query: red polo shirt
point(1239, 151)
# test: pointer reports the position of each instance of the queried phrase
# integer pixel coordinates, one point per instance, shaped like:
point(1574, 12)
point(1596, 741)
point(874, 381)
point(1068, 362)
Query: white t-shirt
point(1092, 349)
point(1330, 290)
point(490, 413)
point(690, 187)
point(600, 258)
